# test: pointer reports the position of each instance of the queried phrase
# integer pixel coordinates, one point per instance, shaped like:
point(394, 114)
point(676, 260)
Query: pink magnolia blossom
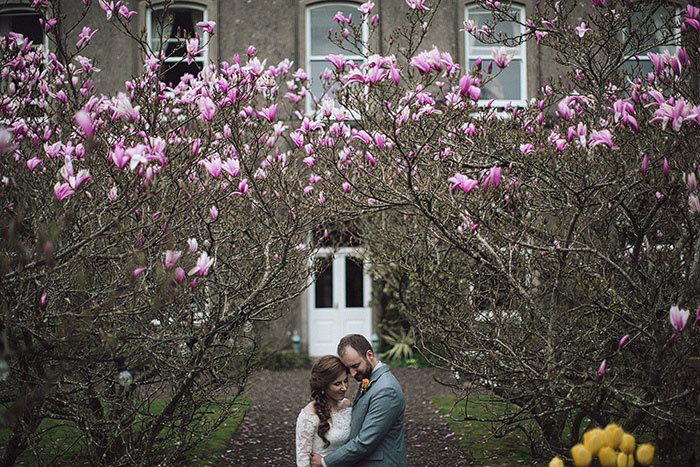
point(644, 165)
point(33, 162)
point(85, 36)
point(268, 113)
point(694, 204)
point(112, 194)
point(467, 87)
point(204, 262)
point(601, 370)
point(416, 5)
point(214, 212)
point(603, 137)
point(231, 166)
point(207, 108)
point(691, 181)
point(678, 318)
point(192, 243)
point(138, 271)
point(501, 57)
point(207, 26)
point(346, 187)
point(213, 166)
point(192, 48)
point(581, 30)
point(43, 300)
point(462, 182)
point(366, 8)
point(171, 257)
point(598, 2)
point(179, 274)
point(84, 121)
point(692, 17)
point(623, 341)
point(62, 190)
point(124, 11)
point(666, 167)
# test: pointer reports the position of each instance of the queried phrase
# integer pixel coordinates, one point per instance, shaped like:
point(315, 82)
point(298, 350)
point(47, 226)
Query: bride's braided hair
point(324, 372)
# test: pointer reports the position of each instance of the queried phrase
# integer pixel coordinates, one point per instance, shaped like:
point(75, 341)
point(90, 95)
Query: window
point(509, 85)
point(169, 29)
point(319, 20)
point(654, 32)
point(26, 22)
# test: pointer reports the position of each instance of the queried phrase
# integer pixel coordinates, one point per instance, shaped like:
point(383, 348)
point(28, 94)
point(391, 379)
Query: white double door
point(338, 301)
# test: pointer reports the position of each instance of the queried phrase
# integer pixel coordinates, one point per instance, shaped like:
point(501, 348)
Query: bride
point(324, 424)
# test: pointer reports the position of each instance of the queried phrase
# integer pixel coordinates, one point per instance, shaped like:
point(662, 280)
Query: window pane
point(506, 85)
point(173, 72)
point(353, 282)
point(661, 16)
point(481, 16)
point(23, 23)
point(321, 19)
point(324, 283)
point(175, 24)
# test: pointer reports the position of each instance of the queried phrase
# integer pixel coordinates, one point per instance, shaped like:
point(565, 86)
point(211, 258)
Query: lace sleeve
point(307, 424)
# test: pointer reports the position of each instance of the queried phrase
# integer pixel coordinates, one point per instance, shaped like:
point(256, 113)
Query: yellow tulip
point(582, 456)
point(627, 443)
point(556, 462)
point(593, 440)
point(613, 435)
point(645, 454)
point(607, 457)
point(621, 459)
point(630, 460)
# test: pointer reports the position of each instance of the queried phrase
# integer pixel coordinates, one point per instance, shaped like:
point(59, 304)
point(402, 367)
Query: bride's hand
point(316, 460)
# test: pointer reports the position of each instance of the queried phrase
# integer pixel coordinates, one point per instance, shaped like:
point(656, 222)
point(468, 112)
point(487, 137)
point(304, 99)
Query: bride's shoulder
point(345, 404)
point(309, 408)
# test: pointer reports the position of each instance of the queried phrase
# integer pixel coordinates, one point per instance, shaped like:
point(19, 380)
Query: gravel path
point(266, 436)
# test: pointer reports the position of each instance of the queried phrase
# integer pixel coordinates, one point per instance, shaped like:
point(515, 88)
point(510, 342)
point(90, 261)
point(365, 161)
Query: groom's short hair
point(357, 342)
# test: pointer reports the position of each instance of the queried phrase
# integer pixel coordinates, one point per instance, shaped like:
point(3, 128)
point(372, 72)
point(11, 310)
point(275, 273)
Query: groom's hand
point(316, 460)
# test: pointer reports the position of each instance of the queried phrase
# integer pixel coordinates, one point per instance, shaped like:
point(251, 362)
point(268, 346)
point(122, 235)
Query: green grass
point(480, 445)
point(60, 436)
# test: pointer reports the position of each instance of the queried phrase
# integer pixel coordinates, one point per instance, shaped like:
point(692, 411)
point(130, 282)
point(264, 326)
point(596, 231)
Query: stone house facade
point(296, 29)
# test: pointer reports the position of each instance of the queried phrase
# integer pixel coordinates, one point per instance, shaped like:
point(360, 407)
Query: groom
point(376, 430)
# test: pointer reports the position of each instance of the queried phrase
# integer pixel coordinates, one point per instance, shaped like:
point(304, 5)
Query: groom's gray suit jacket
point(376, 430)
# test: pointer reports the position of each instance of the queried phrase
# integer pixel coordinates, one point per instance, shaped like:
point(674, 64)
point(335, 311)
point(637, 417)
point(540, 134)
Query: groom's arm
point(385, 407)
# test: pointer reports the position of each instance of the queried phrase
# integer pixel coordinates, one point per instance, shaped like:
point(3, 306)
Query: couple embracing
point(333, 431)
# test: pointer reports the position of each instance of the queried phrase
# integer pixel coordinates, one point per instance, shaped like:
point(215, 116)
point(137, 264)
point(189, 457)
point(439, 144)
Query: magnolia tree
point(548, 253)
point(143, 235)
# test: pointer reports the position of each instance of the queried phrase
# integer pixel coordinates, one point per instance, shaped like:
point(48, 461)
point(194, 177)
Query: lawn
point(57, 436)
point(480, 445)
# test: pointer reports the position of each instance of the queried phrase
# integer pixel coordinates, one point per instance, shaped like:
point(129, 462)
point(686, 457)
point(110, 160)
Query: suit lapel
point(374, 377)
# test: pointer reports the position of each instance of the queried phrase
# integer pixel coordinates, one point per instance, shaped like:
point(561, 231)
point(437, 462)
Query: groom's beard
point(359, 376)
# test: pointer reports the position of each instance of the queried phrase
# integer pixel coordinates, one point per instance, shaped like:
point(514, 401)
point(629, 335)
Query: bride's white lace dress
point(308, 441)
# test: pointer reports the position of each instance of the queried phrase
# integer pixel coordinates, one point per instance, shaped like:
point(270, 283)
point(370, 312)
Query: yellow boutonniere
point(364, 385)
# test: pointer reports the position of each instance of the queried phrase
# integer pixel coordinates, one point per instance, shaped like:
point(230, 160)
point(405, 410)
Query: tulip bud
point(621, 459)
point(613, 435)
point(645, 454)
point(582, 457)
point(593, 440)
point(607, 457)
point(627, 443)
point(556, 462)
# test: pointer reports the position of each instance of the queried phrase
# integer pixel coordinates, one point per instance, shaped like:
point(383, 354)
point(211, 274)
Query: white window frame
point(20, 10)
point(202, 58)
point(520, 56)
point(309, 58)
